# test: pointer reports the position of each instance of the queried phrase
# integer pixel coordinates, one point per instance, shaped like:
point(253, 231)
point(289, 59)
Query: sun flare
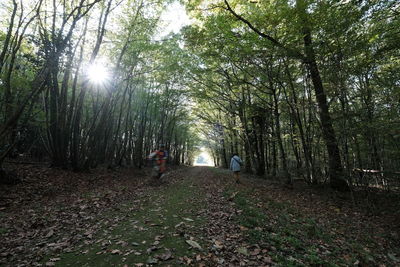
point(97, 73)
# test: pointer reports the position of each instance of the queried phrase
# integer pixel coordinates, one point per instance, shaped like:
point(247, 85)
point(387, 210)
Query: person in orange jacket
point(160, 156)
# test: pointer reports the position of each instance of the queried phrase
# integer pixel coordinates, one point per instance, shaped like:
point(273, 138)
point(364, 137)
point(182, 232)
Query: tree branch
point(291, 52)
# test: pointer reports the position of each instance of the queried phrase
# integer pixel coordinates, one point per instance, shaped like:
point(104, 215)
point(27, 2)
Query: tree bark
point(279, 139)
point(8, 36)
point(335, 165)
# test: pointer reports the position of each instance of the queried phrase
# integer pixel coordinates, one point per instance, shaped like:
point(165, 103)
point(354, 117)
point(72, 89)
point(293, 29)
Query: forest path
point(197, 216)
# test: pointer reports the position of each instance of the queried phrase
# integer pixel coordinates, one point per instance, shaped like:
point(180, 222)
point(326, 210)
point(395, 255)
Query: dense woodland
point(307, 92)
point(51, 107)
point(301, 89)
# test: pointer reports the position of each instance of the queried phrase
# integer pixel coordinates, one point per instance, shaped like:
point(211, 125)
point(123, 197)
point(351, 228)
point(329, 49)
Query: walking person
point(235, 165)
point(160, 156)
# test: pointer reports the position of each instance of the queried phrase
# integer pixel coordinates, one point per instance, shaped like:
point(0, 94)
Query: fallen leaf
point(187, 260)
point(50, 233)
point(116, 251)
point(152, 260)
point(218, 244)
point(393, 257)
point(243, 228)
point(150, 249)
point(179, 224)
point(194, 244)
point(165, 256)
point(233, 195)
point(158, 237)
point(255, 252)
point(267, 260)
point(243, 250)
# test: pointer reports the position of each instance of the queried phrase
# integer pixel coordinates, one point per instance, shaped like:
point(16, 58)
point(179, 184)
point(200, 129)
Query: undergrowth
point(292, 239)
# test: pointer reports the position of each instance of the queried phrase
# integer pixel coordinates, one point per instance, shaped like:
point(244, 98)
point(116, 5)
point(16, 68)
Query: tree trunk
point(8, 36)
point(335, 165)
point(279, 139)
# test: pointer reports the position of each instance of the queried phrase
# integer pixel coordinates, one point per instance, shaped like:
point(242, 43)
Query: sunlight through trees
point(301, 89)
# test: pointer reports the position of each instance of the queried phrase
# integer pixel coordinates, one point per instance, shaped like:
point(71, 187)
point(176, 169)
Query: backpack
point(240, 162)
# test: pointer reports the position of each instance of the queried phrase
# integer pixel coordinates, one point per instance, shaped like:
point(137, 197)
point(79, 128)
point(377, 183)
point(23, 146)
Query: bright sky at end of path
point(173, 18)
point(203, 159)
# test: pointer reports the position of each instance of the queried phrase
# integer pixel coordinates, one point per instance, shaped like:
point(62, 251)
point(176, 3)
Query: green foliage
point(142, 103)
point(217, 82)
point(236, 73)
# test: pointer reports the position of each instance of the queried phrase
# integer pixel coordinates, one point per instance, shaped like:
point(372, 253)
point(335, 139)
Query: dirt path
point(196, 216)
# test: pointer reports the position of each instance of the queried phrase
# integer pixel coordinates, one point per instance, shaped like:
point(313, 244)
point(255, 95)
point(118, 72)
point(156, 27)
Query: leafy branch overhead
point(290, 52)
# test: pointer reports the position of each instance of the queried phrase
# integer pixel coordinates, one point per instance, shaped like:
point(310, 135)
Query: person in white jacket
point(235, 165)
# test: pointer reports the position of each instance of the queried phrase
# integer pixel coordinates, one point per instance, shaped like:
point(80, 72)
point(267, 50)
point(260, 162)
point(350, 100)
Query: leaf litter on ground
point(56, 212)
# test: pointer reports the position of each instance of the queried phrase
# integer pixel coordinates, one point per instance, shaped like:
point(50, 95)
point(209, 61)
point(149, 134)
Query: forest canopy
point(300, 89)
point(85, 83)
point(288, 109)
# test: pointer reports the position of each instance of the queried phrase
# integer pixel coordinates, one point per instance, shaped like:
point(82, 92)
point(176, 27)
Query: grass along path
point(283, 227)
point(157, 233)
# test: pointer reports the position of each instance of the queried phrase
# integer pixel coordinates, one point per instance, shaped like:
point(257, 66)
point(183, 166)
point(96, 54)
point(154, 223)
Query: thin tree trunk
point(8, 36)
point(279, 139)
